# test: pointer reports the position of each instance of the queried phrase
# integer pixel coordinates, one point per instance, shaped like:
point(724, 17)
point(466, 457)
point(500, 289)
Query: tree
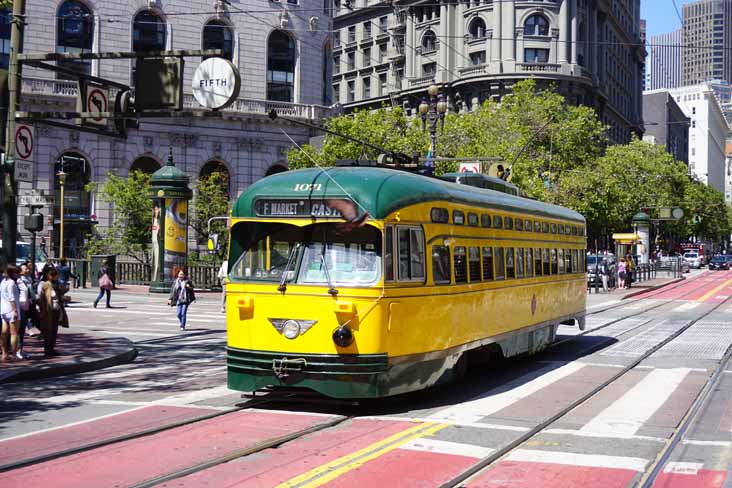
point(129, 231)
point(211, 200)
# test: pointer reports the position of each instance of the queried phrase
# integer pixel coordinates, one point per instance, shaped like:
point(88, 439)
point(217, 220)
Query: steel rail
point(487, 461)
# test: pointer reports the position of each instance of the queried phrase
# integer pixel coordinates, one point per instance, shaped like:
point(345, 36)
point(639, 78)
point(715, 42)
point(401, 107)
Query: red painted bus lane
point(134, 461)
point(78, 435)
point(512, 474)
point(702, 478)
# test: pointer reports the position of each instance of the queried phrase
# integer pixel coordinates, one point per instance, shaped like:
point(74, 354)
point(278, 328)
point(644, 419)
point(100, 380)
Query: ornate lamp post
point(61, 181)
point(433, 110)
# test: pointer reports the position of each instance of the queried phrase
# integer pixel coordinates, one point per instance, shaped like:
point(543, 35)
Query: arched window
point(218, 35)
point(477, 29)
point(429, 42)
point(145, 164)
point(148, 32)
point(6, 16)
point(78, 219)
point(74, 35)
point(281, 67)
point(218, 168)
point(536, 25)
point(275, 168)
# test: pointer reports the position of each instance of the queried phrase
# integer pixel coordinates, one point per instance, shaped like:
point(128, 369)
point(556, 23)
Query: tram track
point(488, 461)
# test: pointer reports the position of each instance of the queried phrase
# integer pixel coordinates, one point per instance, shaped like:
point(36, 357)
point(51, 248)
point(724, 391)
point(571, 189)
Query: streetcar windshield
point(311, 255)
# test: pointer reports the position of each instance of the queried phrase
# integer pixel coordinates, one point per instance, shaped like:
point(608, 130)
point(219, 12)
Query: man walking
point(604, 274)
point(223, 272)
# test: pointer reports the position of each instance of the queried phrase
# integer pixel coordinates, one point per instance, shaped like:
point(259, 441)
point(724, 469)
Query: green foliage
point(211, 200)
point(129, 232)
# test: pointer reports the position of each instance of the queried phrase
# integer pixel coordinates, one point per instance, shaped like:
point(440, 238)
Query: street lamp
point(433, 110)
point(61, 180)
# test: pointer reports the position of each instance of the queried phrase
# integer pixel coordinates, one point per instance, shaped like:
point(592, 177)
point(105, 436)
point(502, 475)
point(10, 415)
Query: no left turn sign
point(97, 101)
point(24, 142)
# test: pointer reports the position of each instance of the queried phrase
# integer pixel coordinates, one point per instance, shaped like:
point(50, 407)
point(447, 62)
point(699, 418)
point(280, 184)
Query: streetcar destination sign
point(301, 208)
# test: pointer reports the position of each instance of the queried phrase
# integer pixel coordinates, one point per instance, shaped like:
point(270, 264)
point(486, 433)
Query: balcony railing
point(479, 69)
point(424, 80)
point(67, 89)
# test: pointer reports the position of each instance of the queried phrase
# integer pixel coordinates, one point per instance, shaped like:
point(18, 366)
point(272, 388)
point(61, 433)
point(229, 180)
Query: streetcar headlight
point(291, 329)
point(343, 336)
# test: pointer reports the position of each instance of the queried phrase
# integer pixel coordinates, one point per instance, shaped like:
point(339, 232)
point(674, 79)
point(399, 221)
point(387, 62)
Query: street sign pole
point(10, 209)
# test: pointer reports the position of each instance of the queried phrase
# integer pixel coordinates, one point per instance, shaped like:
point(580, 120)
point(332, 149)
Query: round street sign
point(97, 102)
point(677, 213)
point(216, 83)
point(24, 142)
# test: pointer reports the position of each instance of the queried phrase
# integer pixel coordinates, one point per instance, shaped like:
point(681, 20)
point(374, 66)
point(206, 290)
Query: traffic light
point(33, 222)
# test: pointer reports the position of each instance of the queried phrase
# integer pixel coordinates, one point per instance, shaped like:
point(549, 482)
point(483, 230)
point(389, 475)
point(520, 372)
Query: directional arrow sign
point(97, 102)
point(24, 152)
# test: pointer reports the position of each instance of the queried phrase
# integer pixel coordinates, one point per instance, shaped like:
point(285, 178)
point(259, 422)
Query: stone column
point(563, 57)
point(497, 32)
point(575, 30)
point(443, 39)
point(509, 26)
point(410, 46)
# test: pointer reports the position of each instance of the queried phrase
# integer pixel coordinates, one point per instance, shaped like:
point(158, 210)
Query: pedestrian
point(27, 299)
point(10, 313)
point(52, 312)
point(621, 273)
point(629, 270)
point(181, 296)
point(223, 272)
point(604, 274)
point(105, 284)
point(64, 274)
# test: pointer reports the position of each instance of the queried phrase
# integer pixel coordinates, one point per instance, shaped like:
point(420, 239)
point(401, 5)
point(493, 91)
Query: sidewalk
point(80, 352)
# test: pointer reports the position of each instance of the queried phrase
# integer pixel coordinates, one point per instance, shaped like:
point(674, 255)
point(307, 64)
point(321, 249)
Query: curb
point(652, 288)
point(64, 369)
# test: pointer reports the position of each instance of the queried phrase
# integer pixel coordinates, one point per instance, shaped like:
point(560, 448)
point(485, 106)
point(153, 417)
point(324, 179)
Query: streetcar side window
point(575, 261)
point(485, 220)
point(500, 265)
point(561, 229)
point(574, 230)
point(474, 264)
point(545, 260)
point(529, 263)
point(497, 222)
point(519, 262)
point(537, 226)
point(458, 217)
point(537, 261)
point(545, 227)
point(508, 223)
point(555, 264)
point(568, 261)
point(527, 225)
point(560, 253)
point(389, 253)
point(554, 228)
point(473, 220)
point(411, 254)
point(441, 264)
point(487, 264)
point(519, 224)
point(461, 266)
point(439, 215)
point(510, 266)
point(567, 229)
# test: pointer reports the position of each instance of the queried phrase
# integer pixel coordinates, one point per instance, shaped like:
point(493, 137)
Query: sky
point(661, 16)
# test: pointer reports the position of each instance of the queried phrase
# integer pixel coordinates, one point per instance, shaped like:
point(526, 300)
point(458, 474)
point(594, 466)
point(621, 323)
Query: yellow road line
point(332, 470)
point(715, 290)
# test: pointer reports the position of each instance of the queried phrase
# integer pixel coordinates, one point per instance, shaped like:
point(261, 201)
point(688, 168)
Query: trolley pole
point(9, 186)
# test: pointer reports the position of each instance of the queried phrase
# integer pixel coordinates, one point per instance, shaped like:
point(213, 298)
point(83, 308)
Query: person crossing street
point(181, 296)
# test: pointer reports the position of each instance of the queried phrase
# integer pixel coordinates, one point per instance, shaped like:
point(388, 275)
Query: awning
point(626, 238)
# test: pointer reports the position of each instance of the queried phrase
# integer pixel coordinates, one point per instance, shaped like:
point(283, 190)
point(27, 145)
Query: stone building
point(476, 49)
point(666, 124)
point(280, 48)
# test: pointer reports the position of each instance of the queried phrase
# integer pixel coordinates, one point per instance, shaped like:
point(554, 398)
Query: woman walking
point(10, 312)
point(27, 300)
point(181, 295)
point(105, 284)
point(50, 303)
point(621, 274)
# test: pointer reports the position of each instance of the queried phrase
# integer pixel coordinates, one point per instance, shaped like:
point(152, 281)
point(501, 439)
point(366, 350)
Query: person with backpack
point(181, 296)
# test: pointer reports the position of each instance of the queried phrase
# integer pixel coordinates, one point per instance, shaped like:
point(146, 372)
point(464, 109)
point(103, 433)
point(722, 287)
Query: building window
point(367, 88)
point(477, 29)
point(382, 53)
point(336, 93)
point(351, 60)
point(148, 32)
point(6, 17)
point(74, 35)
point(280, 67)
point(77, 200)
point(367, 56)
point(336, 39)
point(383, 25)
point(476, 59)
point(536, 25)
point(532, 55)
point(351, 91)
point(352, 34)
point(218, 35)
point(429, 69)
point(429, 42)
point(383, 87)
point(693, 110)
point(367, 30)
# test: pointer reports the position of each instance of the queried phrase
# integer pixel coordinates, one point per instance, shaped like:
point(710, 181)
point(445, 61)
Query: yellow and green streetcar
point(362, 282)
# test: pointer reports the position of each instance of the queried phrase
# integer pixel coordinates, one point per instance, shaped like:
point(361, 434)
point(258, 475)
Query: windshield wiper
point(331, 289)
point(290, 259)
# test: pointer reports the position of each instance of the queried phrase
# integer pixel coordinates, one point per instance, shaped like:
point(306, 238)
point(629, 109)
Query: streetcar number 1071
point(308, 187)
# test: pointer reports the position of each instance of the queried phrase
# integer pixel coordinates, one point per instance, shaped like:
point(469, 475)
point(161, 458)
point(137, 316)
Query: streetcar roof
point(381, 191)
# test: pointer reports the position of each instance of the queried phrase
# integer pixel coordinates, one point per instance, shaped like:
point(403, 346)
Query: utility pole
point(9, 186)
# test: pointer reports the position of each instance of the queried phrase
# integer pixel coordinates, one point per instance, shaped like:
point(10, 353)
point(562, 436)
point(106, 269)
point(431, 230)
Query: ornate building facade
point(282, 52)
point(390, 52)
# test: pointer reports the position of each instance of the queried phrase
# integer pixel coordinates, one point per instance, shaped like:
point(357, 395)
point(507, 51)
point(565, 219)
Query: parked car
point(685, 266)
point(695, 259)
point(720, 261)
